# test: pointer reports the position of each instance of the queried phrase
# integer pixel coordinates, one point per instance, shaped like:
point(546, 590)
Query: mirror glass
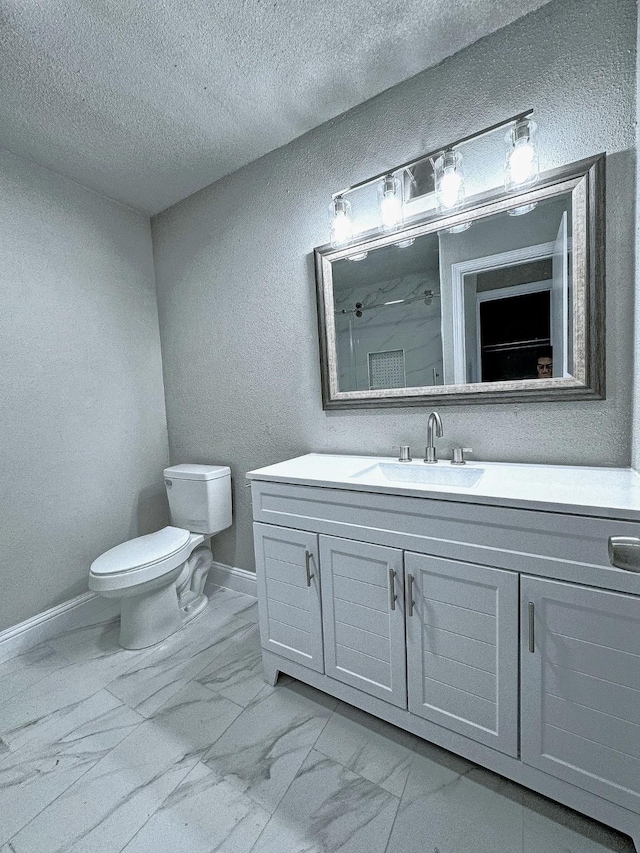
point(489, 303)
point(501, 301)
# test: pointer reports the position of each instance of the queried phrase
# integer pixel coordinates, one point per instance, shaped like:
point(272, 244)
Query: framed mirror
point(501, 301)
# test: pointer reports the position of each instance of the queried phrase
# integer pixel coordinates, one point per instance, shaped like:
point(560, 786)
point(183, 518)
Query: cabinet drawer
point(568, 547)
point(289, 594)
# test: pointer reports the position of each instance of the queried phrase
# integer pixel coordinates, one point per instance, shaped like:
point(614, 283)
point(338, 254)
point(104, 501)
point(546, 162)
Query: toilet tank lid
point(197, 472)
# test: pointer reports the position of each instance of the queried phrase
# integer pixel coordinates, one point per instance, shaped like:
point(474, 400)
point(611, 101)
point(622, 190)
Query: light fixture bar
point(434, 153)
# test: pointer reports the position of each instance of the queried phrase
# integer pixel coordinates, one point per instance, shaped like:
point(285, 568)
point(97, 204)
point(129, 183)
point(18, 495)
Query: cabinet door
point(462, 648)
point(580, 663)
point(363, 617)
point(289, 593)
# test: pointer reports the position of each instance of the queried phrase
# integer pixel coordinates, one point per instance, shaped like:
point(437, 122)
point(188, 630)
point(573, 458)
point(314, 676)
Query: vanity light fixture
point(359, 257)
point(404, 244)
point(340, 222)
point(390, 203)
point(521, 168)
point(449, 180)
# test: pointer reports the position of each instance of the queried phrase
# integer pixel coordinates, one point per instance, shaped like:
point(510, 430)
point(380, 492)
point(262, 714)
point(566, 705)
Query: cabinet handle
point(532, 635)
point(624, 553)
point(410, 601)
point(307, 566)
point(392, 589)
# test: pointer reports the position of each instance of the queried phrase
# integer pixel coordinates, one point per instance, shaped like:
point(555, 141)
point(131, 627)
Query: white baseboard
point(89, 608)
point(231, 577)
point(85, 609)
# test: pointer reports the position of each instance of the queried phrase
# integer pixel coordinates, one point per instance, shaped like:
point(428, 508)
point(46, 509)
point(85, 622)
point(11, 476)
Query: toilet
point(161, 577)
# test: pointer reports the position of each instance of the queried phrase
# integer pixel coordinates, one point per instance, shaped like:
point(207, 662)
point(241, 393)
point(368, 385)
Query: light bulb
point(390, 203)
point(521, 163)
point(390, 211)
point(340, 224)
point(449, 180)
point(450, 187)
point(521, 167)
point(342, 228)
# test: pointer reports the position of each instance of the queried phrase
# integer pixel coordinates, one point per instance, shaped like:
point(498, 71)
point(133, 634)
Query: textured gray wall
point(235, 275)
point(82, 417)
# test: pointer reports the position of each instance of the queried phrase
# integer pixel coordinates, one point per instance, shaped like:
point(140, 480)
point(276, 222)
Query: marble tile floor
point(184, 748)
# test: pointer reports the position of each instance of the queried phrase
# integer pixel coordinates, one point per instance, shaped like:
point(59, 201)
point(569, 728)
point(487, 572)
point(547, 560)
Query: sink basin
point(441, 474)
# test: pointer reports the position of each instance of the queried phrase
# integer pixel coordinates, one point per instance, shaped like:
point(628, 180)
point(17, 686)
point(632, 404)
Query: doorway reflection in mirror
point(507, 295)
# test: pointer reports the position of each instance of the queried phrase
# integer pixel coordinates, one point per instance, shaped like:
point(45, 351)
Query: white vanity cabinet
point(500, 633)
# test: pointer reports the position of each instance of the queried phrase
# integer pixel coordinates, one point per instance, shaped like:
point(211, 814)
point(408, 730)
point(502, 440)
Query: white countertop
point(602, 492)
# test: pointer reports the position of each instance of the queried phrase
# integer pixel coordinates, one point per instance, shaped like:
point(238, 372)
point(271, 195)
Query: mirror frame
point(586, 182)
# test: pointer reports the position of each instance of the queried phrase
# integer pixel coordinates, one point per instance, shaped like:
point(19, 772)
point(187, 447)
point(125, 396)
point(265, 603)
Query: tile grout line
point(272, 814)
point(230, 645)
point(329, 758)
point(404, 788)
point(198, 760)
point(50, 713)
point(66, 662)
point(213, 660)
point(205, 750)
point(352, 769)
point(82, 775)
point(134, 730)
point(122, 704)
point(154, 649)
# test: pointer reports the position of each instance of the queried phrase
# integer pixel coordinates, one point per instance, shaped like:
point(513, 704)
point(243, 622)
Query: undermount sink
point(442, 474)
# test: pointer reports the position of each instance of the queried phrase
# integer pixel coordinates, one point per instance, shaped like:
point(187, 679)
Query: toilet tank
point(199, 497)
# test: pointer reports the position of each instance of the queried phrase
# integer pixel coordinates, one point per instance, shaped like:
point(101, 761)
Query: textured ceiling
point(148, 101)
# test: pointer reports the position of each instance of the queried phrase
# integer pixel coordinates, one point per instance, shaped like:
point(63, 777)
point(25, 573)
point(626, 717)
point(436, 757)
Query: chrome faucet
point(430, 450)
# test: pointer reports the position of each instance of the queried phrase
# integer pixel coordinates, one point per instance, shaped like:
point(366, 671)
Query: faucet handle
point(405, 452)
point(458, 455)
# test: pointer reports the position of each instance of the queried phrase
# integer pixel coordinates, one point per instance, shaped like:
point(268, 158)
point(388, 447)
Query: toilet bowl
point(160, 577)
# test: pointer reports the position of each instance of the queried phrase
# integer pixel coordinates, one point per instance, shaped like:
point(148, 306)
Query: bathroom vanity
point(475, 606)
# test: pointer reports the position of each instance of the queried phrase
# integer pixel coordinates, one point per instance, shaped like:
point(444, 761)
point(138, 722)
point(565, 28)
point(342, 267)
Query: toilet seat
point(141, 560)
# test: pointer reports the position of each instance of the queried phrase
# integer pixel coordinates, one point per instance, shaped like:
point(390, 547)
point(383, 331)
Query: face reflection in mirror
point(544, 367)
point(492, 303)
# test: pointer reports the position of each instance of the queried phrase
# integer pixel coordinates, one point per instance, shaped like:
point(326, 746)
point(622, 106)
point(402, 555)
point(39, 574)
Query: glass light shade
point(521, 168)
point(523, 209)
point(458, 229)
point(449, 180)
point(340, 222)
point(390, 203)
